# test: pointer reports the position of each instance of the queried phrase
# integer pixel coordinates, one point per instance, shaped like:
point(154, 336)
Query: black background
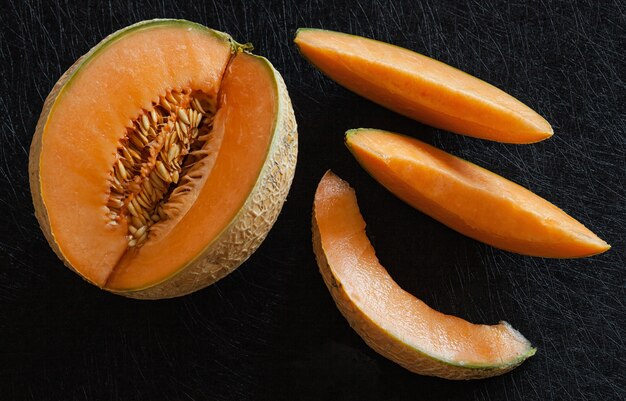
point(270, 330)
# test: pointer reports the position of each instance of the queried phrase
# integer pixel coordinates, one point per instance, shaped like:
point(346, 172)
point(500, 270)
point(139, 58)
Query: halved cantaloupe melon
point(470, 199)
point(162, 158)
point(421, 88)
point(391, 321)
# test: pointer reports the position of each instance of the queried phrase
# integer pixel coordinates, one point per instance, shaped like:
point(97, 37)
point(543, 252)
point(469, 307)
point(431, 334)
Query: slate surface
point(270, 330)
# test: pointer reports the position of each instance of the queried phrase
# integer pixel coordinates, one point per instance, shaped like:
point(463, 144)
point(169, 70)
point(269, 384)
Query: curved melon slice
point(470, 199)
point(391, 321)
point(422, 88)
point(162, 158)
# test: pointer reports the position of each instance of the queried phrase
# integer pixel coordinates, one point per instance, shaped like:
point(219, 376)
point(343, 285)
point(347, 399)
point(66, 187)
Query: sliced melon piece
point(162, 158)
point(470, 199)
point(421, 88)
point(390, 320)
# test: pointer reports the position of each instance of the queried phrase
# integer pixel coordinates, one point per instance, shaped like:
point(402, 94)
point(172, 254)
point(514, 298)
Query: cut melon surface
point(421, 88)
point(219, 128)
point(469, 198)
point(390, 320)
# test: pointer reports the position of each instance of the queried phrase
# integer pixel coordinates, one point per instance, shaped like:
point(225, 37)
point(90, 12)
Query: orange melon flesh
point(470, 199)
point(89, 118)
point(391, 320)
point(245, 121)
point(421, 88)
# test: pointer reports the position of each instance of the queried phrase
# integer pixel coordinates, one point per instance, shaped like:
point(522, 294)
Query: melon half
point(162, 158)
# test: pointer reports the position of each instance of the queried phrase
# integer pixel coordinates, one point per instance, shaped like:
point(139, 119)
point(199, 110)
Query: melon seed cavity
point(157, 152)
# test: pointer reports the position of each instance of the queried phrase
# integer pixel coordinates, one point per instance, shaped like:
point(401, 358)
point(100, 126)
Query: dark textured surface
point(270, 330)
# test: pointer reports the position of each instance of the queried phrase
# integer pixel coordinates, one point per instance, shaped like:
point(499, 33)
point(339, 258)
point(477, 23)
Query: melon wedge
point(421, 88)
point(162, 158)
point(390, 320)
point(470, 199)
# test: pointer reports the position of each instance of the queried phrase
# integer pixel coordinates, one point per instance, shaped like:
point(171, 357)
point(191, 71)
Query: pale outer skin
point(239, 239)
point(384, 344)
